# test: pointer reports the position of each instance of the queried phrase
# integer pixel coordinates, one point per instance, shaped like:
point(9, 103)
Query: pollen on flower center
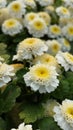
point(55, 30)
point(10, 23)
point(38, 25)
point(42, 72)
point(70, 111)
point(70, 30)
point(16, 7)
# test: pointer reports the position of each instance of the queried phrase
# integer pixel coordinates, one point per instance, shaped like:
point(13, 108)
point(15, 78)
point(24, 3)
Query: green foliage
point(8, 98)
point(48, 123)
point(2, 124)
point(31, 112)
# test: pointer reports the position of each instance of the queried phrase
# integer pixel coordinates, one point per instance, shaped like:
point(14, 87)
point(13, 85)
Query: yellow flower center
point(10, 23)
point(56, 48)
point(42, 73)
point(70, 112)
point(31, 17)
point(38, 25)
point(16, 7)
point(64, 10)
point(70, 30)
point(55, 30)
point(66, 42)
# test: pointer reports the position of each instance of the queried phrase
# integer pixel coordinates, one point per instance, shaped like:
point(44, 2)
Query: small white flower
point(68, 31)
point(16, 9)
point(45, 2)
point(30, 47)
point(62, 12)
point(11, 27)
point(64, 115)
point(29, 3)
point(37, 27)
point(68, 3)
point(53, 46)
point(66, 60)
point(6, 72)
point(65, 44)
point(42, 78)
point(29, 17)
point(3, 3)
point(45, 16)
point(54, 31)
point(22, 126)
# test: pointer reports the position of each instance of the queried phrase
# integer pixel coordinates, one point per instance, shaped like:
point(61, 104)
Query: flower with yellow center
point(29, 48)
point(62, 12)
point(16, 9)
point(54, 31)
point(6, 72)
point(45, 2)
point(65, 44)
point(29, 17)
point(49, 9)
point(68, 31)
point(3, 3)
point(37, 27)
point(64, 115)
point(45, 16)
point(29, 3)
point(66, 60)
point(22, 126)
point(46, 59)
point(42, 78)
point(53, 46)
point(11, 27)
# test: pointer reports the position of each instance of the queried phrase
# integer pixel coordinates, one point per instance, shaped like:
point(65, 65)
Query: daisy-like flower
point(64, 115)
point(65, 44)
point(62, 12)
point(6, 72)
point(46, 59)
point(66, 60)
point(4, 14)
point(29, 3)
point(29, 17)
point(11, 27)
point(68, 31)
point(42, 78)
point(45, 2)
point(54, 31)
point(49, 9)
point(37, 27)
point(53, 46)
point(16, 9)
point(3, 3)
point(22, 126)
point(45, 16)
point(68, 3)
point(30, 47)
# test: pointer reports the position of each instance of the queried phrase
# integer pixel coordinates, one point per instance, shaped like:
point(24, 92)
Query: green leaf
point(8, 98)
point(2, 124)
point(31, 112)
point(47, 123)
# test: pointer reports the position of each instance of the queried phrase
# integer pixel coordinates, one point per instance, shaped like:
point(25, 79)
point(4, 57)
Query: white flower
point(45, 16)
point(65, 44)
point(22, 126)
point(64, 115)
point(68, 31)
point(4, 14)
point(6, 72)
point(16, 9)
point(62, 12)
point(11, 27)
point(29, 3)
point(53, 46)
point(68, 3)
point(37, 27)
point(29, 17)
point(45, 2)
point(66, 60)
point(30, 47)
point(3, 3)
point(54, 31)
point(42, 78)
point(49, 9)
